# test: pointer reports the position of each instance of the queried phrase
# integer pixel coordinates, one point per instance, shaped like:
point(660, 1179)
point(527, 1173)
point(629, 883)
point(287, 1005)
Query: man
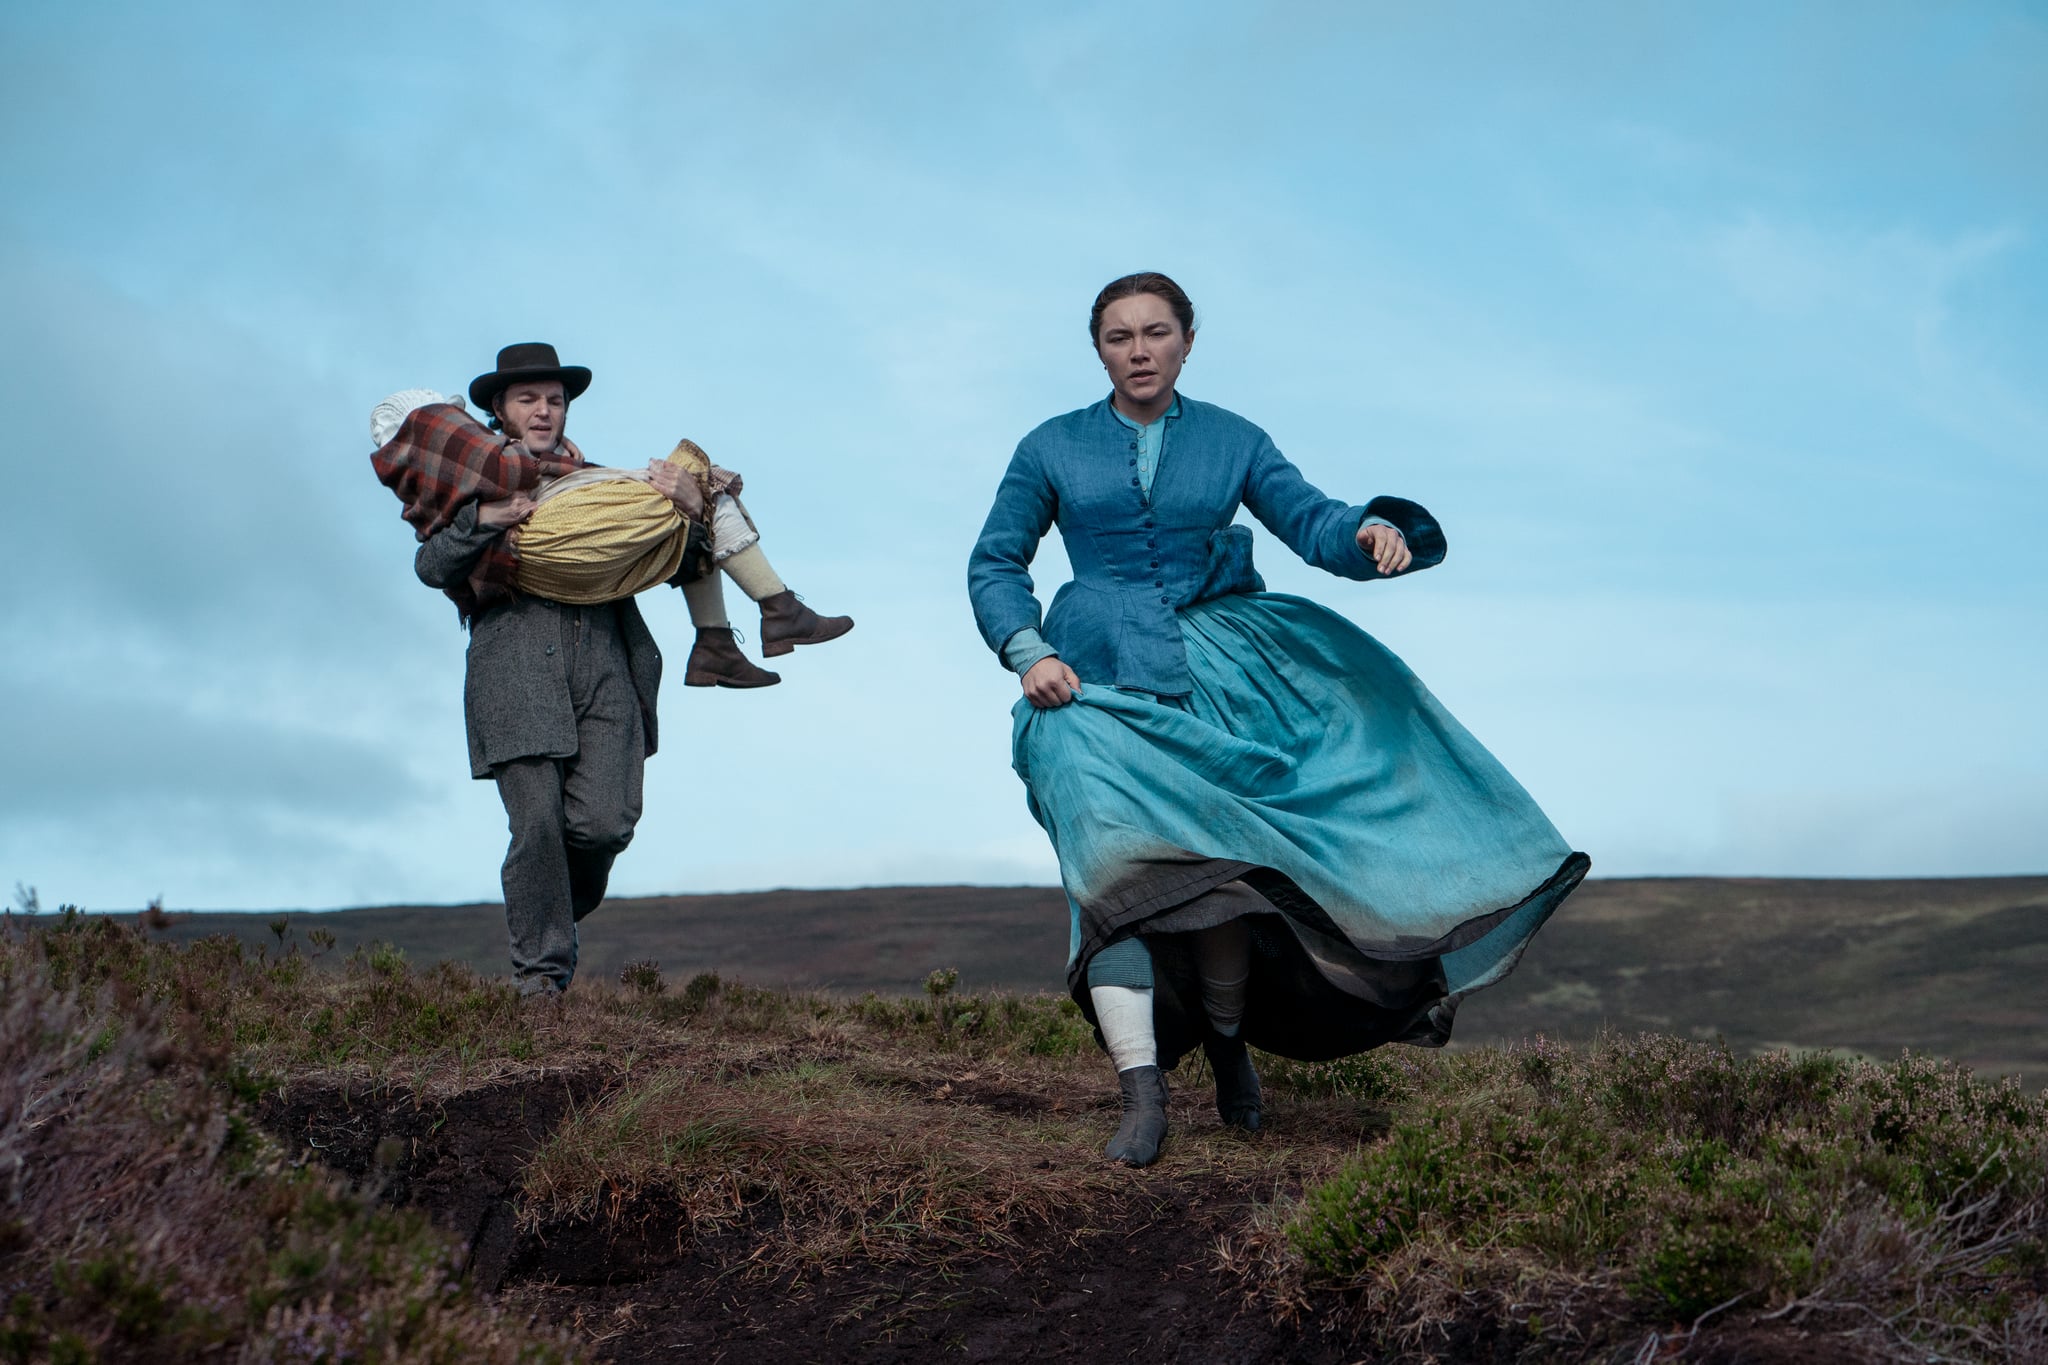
point(559, 700)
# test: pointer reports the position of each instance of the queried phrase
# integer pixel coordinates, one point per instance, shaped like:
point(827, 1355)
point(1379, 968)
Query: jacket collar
point(1109, 405)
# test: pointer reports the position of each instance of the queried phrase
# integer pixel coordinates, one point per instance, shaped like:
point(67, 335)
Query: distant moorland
point(1950, 966)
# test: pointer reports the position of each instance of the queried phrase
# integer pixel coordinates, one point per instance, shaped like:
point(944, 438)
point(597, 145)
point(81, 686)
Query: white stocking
point(1124, 1013)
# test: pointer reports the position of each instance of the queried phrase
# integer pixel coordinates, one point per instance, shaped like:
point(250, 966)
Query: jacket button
point(1165, 601)
point(1134, 445)
point(1134, 483)
point(551, 649)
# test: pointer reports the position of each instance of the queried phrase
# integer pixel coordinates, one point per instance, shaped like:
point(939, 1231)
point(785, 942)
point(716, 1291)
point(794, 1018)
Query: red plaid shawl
point(442, 458)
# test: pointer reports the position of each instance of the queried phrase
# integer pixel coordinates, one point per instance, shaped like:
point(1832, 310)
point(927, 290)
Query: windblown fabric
point(1387, 863)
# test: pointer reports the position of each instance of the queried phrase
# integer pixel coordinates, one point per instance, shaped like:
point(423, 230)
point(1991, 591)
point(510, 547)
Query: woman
point(1268, 830)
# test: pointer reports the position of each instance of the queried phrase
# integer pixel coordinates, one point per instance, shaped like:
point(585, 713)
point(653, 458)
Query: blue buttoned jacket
point(1139, 559)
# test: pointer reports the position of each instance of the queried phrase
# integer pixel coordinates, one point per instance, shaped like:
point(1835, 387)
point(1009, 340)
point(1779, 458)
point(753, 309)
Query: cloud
point(97, 751)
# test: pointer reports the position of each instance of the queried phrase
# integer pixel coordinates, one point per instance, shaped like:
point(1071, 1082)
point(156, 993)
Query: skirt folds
point(1387, 863)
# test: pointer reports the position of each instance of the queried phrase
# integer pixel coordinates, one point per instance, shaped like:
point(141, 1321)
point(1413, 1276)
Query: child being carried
point(595, 534)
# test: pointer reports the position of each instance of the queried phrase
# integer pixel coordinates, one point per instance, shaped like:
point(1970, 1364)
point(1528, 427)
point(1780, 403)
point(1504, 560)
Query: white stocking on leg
point(1124, 1014)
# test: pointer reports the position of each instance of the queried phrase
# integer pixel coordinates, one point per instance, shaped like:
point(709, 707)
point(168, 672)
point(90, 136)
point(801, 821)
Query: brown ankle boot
point(787, 623)
point(716, 661)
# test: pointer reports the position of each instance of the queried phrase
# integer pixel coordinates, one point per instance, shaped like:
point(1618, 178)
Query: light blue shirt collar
point(1132, 422)
point(1151, 440)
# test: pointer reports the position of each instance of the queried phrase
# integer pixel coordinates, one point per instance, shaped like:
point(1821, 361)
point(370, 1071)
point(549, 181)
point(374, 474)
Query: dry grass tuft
point(846, 1168)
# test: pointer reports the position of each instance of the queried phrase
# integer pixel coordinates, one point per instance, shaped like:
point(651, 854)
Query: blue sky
point(1713, 335)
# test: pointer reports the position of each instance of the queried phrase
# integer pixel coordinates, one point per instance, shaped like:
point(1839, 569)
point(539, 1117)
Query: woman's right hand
point(1050, 683)
point(502, 512)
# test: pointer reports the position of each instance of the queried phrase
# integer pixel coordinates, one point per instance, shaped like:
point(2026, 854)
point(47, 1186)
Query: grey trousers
point(570, 817)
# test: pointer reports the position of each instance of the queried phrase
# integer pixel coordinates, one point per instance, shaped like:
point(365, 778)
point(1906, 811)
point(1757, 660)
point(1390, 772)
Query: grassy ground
point(764, 1174)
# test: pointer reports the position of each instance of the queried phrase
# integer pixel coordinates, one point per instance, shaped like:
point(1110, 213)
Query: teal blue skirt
point(1387, 864)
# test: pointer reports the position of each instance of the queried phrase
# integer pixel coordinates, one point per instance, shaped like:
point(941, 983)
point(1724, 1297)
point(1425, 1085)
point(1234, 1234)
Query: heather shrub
point(277, 1010)
point(1673, 1179)
point(145, 1220)
point(982, 1025)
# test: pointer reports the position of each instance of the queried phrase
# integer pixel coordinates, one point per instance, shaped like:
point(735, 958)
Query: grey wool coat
point(516, 697)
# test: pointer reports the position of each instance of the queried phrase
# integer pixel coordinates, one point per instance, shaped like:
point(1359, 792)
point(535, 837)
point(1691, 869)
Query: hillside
point(218, 1153)
point(1951, 966)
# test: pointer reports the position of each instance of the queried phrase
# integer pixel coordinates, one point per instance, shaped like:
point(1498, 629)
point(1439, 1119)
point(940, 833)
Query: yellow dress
point(602, 534)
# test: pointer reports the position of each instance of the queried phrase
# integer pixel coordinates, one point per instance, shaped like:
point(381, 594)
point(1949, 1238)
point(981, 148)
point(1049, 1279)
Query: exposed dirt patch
point(641, 1283)
point(1147, 1289)
point(459, 1158)
point(1753, 1345)
point(1132, 1274)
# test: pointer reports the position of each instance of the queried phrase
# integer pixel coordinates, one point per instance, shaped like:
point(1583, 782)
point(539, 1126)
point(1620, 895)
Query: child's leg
point(737, 547)
point(715, 658)
point(753, 573)
point(706, 599)
point(785, 621)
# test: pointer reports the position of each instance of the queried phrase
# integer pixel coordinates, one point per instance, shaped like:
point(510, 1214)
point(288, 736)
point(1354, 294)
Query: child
point(595, 534)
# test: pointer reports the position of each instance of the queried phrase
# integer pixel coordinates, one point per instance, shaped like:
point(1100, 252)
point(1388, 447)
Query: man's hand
point(678, 485)
point(502, 512)
point(1385, 547)
point(1050, 684)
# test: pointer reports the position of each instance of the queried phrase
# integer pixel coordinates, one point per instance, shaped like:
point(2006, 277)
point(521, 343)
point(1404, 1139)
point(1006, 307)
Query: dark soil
point(641, 1285)
point(459, 1159)
point(1143, 1290)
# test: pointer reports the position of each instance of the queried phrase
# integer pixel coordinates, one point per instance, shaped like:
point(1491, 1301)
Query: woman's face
point(1143, 348)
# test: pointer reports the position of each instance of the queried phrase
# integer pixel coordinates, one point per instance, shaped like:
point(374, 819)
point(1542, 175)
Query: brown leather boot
point(787, 623)
point(716, 661)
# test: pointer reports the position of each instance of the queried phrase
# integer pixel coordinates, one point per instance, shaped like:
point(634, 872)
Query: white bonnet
point(387, 416)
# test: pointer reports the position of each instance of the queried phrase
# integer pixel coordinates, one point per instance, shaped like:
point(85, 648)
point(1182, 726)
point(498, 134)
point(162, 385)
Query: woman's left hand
point(1386, 548)
point(678, 485)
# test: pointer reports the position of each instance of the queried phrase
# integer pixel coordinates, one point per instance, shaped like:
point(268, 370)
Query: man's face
point(534, 412)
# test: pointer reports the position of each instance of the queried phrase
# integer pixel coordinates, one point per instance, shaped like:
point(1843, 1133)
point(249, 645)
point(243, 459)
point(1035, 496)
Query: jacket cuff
point(1025, 648)
point(1425, 538)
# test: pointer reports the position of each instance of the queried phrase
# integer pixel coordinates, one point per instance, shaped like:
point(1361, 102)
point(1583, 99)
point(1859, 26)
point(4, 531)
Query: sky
point(1714, 336)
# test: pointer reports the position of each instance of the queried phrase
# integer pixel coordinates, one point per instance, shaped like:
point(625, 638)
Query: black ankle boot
point(1238, 1102)
point(1144, 1127)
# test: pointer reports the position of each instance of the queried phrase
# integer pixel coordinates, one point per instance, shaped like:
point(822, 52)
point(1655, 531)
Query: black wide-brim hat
point(527, 360)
